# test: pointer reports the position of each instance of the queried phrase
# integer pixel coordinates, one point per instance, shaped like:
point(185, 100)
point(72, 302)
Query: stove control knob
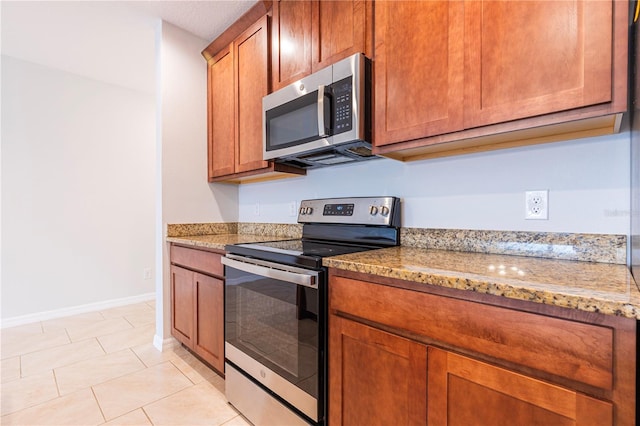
point(309, 210)
point(384, 210)
point(302, 210)
point(373, 210)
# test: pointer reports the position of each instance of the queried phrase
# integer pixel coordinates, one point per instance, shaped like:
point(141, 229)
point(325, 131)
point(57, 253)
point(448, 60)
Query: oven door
point(297, 118)
point(274, 332)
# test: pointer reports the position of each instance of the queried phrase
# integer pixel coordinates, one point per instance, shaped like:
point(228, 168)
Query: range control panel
point(357, 211)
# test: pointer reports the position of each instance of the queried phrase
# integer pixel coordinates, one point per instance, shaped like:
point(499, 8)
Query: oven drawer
point(197, 260)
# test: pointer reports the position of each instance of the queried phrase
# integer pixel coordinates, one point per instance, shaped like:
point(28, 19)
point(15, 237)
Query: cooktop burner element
point(295, 252)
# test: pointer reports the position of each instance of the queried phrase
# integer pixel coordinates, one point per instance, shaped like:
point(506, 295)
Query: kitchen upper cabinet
point(252, 84)
point(451, 357)
point(238, 78)
point(464, 391)
point(455, 77)
point(291, 41)
point(310, 35)
point(197, 303)
point(376, 377)
point(339, 30)
point(222, 141)
point(526, 58)
point(419, 65)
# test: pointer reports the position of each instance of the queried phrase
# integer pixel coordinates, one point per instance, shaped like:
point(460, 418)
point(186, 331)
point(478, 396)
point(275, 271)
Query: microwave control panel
point(342, 105)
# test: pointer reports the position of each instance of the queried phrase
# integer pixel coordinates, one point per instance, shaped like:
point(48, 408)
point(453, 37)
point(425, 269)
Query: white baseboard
point(164, 344)
point(75, 310)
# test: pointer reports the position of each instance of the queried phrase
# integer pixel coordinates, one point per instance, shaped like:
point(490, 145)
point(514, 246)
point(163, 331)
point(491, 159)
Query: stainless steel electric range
point(276, 308)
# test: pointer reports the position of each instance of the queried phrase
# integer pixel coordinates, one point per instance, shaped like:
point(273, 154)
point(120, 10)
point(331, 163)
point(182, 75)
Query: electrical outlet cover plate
point(537, 205)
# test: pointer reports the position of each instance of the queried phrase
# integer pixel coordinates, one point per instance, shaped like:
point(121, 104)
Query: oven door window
point(275, 323)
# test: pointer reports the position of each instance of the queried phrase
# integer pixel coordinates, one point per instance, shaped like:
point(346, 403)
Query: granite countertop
point(587, 272)
point(219, 241)
point(586, 286)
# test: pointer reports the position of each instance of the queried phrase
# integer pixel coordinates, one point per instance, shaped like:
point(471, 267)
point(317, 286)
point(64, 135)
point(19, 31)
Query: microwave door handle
point(306, 280)
point(322, 130)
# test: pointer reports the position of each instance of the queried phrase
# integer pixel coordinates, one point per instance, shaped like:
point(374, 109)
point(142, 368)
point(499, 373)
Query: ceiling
point(206, 19)
point(109, 41)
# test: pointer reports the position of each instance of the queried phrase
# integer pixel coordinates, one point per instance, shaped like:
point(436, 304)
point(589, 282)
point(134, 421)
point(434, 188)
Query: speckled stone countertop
point(580, 271)
point(587, 286)
point(219, 241)
point(218, 235)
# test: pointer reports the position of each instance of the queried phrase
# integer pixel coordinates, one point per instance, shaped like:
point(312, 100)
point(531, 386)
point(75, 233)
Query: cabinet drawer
point(198, 260)
point(578, 351)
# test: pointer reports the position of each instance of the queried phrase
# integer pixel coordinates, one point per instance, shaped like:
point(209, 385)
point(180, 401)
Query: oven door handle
point(275, 271)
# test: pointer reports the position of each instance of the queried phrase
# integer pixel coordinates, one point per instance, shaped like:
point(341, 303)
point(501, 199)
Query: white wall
point(78, 163)
point(587, 179)
point(186, 197)
point(77, 190)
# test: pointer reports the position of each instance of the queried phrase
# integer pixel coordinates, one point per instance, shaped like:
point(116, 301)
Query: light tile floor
point(102, 368)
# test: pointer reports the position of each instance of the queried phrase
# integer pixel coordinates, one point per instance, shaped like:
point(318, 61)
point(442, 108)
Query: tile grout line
point(146, 415)
point(101, 347)
point(98, 402)
point(55, 380)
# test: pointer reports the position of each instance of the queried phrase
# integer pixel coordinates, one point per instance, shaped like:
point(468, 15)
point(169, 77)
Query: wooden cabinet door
point(220, 97)
point(291, 41)
point(252, 84)
point(418, 69)
point(209, 320)
point(375, 378)
point(339, 29)
point(526, 58)
point(463, 391)
point(182, 296)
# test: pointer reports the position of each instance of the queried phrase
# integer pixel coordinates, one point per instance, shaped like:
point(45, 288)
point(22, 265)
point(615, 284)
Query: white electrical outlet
point(293, 208)
point(256, 209)
point(537, 205)
point(147, 273)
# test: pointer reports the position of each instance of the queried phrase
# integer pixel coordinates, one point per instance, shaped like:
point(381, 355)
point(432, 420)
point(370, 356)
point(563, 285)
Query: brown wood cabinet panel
point(532, 72)
point(418, 72)
point(238, 78)
point(221, 140)
point(463, 391)
point(197, 303)
point(376, 378)
point(182, 304)
point(199, 260)
point(525, 58)
point(291, 41)
point(339, 30)
point(251, 62)
point(571, 349)
point(209, 320)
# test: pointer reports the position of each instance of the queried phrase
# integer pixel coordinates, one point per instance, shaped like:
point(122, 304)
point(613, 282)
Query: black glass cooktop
point(295, 252)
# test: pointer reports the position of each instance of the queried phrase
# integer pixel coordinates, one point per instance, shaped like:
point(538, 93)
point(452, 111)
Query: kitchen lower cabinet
point(182, 290)
point(376, 377)
point(464, 391)
point(408, 353)
point(197, 303)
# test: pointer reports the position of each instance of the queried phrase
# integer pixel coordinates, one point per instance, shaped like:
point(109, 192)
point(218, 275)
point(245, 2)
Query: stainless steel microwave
point(322, 119)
